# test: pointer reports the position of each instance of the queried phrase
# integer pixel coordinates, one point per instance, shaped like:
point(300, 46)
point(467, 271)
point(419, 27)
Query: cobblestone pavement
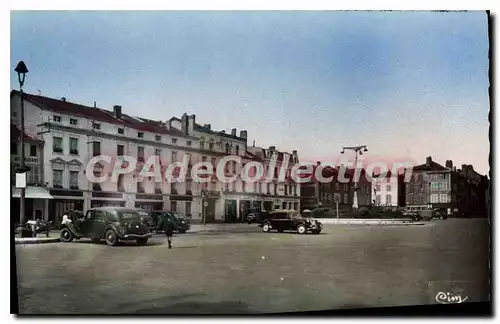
point(237, 273)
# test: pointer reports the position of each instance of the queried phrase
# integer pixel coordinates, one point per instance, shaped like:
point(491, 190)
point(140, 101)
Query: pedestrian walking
point(169, 231)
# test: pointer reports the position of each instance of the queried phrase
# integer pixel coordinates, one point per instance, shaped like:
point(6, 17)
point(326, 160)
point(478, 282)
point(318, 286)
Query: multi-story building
point(37, 196)
point(282, 192)
point(456, 192)
point(73, 134)
point(388, 190)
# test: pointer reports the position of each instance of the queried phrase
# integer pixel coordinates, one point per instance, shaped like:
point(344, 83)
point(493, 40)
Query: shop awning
point(33, 193)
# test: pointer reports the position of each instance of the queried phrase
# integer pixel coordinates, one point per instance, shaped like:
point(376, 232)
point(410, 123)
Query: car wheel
point(266, 228)
point(301, 229)
point(95, 241)
point(142, 241)
point(66, 235)
point(111, 238)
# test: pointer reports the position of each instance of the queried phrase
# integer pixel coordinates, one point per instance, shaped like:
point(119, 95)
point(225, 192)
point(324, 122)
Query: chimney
point(470, 167)
point(253, 145)
point(233, 131)
point(272, 148)
point(428, 161)
point(184, 123)
point(449, 164)
point(95, 104)
point(207, 126)
point(117, 111)
point(318, 162)
point(464, 167)
point(191, 122)
point(454, 169)
point(243, 134)
point(63, 99)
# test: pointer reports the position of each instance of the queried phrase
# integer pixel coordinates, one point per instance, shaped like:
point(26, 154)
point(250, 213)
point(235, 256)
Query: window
point(32, 177)
point(346, 198)
point(73, 121)
point(73, 146)
point(96, 148)
point(173, 188)
point(434, 198)
point(388, 188)
point(158, 152)
point(173, 206)
point(140, 187)
point(57, 119)
point(174, 140)
point(268, 185)
point(275, 188)
point(188, 208)
point(210, 146)
point(388, 199)
point(174, 156)
point(121, 131)
point(435, 186)
point(202, 144)
point(188, 143)
point(295, 190)
point(377, 199)
point(33, 150)
point(227, 148)
point(377, 187)
point(237, 150)
point(57, 144)
point(214, 162)
point(96, 125)
point(158, 188)
point(140, 134)
point(140, 153)
point(189, 185)
point(73, 179)
point(120, 149)
point(13, 148)
point(57, 178)
point(158, 137)
point(259, 184)
point(443, 186)
point(286, 190)
point(243, 186)
point(443, 198)
point(120, 186)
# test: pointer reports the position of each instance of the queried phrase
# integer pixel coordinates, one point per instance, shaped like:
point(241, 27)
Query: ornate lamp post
point(357, 150)
point(21, 70)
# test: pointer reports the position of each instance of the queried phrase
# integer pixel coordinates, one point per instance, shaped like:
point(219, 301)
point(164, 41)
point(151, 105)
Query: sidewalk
point(41, 238)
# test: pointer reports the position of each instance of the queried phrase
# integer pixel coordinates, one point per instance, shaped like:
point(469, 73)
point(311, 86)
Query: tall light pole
point(21, 70)
point(357, 150)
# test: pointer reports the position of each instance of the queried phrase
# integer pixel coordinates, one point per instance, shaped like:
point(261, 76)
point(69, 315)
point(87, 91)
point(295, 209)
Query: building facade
point(460, 193)
point(388, 190)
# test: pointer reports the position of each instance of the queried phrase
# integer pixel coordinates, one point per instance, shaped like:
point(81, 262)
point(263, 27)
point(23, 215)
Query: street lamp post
point(357, 150)
point(21, 70)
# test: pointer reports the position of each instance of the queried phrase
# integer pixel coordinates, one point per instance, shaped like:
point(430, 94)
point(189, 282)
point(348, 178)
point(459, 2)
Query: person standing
point(169, 230)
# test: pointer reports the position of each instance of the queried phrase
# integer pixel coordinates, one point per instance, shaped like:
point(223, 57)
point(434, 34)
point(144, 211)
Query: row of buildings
point(61, 137)
point(458, 192)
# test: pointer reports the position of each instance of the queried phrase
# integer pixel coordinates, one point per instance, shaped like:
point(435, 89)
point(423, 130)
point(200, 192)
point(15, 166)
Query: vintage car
point(112, 224)
point(147, 219)
point(181, 224)
point(290, 220)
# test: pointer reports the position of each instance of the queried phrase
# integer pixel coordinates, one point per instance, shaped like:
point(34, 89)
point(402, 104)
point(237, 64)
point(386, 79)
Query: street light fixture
point(21, 70)
point(357, 150)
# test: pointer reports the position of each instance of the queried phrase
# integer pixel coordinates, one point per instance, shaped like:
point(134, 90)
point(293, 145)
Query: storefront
point(149, 203)
point(64, 201)
point(36, 203)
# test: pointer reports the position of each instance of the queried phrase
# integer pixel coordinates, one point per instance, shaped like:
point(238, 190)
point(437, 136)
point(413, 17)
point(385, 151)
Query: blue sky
point(407, 84)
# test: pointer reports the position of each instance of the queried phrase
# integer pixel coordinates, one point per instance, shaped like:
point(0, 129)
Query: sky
point(406, 84)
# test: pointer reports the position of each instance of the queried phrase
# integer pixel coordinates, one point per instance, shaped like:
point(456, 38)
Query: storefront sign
point(17, 158)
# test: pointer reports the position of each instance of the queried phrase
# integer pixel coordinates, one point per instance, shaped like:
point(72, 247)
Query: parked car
point(181, 224)
point(112, 224)
point(286, 220)
point(147, 219)
point(253, 216)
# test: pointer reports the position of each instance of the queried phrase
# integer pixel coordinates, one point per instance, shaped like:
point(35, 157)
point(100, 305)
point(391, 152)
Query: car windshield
point(129, 215)
point(177, 215)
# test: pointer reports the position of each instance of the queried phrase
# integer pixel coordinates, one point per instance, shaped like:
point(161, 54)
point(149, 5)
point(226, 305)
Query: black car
point(112, 224)
point(181, 224)
point(286, 220)
point(147, 219)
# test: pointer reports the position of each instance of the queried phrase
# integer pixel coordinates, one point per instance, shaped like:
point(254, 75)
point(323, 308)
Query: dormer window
point(96, 125)
point(158, 137)
point(174, 140)
point(121, 131)
point(140, 134)
point(73, 121)
point(57, 119)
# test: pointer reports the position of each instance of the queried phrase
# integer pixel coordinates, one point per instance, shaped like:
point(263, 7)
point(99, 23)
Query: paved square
point(255, 272)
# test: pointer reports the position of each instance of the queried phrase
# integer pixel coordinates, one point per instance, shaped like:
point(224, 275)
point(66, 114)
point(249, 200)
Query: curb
point(37, 241)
